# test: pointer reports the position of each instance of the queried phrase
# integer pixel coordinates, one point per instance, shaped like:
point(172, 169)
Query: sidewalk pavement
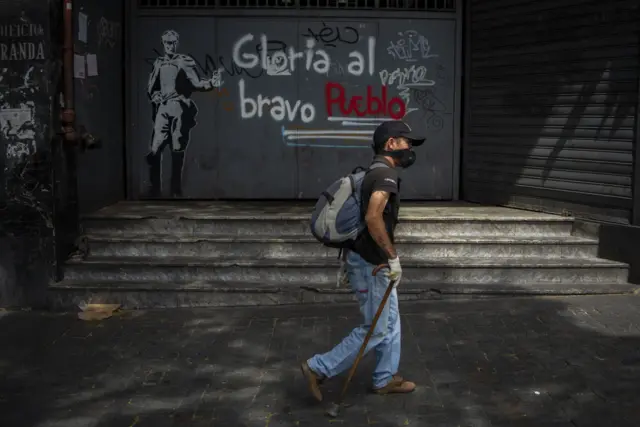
point(571, 361)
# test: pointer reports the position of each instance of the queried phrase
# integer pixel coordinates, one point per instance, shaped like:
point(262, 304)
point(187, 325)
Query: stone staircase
point(167, 254)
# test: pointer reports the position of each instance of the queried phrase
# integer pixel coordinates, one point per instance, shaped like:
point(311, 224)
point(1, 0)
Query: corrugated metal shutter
point(551, 98)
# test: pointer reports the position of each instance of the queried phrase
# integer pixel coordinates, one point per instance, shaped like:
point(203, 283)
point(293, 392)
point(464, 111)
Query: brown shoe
point(313, 379)
point(396, 385)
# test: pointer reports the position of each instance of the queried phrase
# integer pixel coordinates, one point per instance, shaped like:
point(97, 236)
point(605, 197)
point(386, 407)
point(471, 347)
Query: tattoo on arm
point(375, 222)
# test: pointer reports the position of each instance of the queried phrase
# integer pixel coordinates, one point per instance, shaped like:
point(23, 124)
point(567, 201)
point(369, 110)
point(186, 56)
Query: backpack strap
point(377, 164)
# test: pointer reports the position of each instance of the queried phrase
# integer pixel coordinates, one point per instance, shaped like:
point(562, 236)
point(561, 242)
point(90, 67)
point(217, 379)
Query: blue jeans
point(385, 340)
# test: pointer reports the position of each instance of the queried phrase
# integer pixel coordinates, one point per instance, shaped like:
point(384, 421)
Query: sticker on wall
point(173, 77)
point(82, 27)
point(92, 65)
point(79, 71)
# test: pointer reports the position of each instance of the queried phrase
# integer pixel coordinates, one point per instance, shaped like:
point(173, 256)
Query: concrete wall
point(99, 101)
point(28, 77)
point(616, 242)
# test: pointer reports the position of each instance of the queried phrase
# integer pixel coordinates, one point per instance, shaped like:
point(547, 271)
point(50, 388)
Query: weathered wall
point(99, 101)
point(27, 76)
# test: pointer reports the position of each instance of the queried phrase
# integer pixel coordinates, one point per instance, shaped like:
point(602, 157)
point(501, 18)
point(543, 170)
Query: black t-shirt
point(379, 179)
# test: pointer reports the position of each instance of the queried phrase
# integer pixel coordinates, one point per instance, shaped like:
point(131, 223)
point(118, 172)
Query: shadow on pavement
point(500, 362)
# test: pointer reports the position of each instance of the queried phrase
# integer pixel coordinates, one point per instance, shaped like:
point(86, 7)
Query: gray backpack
point(337, 218)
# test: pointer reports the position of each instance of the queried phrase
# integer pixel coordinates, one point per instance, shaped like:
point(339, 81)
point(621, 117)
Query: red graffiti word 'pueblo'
point(373, 105)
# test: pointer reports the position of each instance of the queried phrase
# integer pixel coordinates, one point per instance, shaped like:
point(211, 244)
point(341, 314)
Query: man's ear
point(388, 146)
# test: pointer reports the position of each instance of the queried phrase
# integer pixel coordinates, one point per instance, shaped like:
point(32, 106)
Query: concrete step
point(68, 294)
point(291, 247)
point(207, 219)
point(189, 253)
point(321, 272)
point(433, 226)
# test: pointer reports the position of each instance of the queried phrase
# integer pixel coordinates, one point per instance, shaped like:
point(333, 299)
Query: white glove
point(395, 271)
point(342, 277)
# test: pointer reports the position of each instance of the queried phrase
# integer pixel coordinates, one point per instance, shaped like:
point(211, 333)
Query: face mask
point(404, 157)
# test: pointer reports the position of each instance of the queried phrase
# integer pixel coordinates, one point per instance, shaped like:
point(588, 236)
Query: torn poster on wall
point(24, 48)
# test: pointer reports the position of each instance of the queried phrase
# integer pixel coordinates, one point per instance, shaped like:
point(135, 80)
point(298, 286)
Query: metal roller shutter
point(551, 97)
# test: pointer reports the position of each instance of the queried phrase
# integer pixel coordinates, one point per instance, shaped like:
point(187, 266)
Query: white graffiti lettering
point(21, 30)
point(245, 60)
point(356, 67)
point(277, 64)
point(278, 107)
point(283, 63)
point(408, 77)
point(405, 79)
point(108, 32)
point(411, 47)
point(21, 51)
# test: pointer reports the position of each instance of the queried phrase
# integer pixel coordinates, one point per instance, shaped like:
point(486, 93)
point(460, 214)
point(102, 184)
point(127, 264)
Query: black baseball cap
point(395, 129)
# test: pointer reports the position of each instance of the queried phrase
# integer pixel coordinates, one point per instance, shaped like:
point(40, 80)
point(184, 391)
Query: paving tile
point(571, 362)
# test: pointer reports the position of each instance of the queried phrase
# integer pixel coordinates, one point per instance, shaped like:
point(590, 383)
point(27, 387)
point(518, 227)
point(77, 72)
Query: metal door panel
point(251, 161)
point(419, 59)
point(334, 144)
point(186, 121)
point(235, 151)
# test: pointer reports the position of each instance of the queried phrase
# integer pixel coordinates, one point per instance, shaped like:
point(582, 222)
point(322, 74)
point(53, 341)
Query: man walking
point(392, 144)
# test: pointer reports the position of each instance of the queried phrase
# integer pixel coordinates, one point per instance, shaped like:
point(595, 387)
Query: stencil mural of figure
point(172, 80)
